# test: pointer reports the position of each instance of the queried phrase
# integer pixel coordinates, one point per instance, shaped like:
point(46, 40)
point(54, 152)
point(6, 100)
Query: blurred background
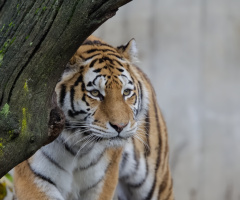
point(190, 49)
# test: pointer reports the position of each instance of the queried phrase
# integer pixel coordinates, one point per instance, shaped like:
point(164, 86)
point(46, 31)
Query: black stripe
point(95, 184)
point(170, 189)
point(83, 86)
point(94, 112)
point(80, 79)
point(73, 114)
point(119, 80)
point(89, 84)
point(103, 50)
point(124, 75)
point(84, 99)
point(141, 97)
point(108, 59)
point(62, 94)
point(72, 93)
point(163, 185)
point(134, 94)
point(140, 183)
point(159, 135)
point(140, 85)
point(150, 194)
point(101, 61)
point(121, 70)
point(96, 79)
point(66, 146)
point(91, 50)
point(132, 79)
point(123, 47)
point(129, 82)
point(97, 70)
point(124, 159)
point(118, 62)
point(147, 150)
point(92, 186)
point(39, 175)
point(93, 163)
point(111, 54)
point(127, 66)
point(96, 42)
point(85, 118)
point(52, 160)
point(82, 67)
point(92, 63)
point(88, 58)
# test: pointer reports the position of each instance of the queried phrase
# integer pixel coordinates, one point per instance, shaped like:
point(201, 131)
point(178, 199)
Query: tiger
point(114, 145)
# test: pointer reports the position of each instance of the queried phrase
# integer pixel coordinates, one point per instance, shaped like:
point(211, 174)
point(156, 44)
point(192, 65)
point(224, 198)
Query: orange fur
point(24, 179)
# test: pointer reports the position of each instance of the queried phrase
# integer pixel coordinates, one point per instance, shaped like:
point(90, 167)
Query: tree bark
point(37, 38)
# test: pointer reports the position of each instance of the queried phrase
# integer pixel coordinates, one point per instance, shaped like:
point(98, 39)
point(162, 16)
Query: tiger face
point(99, 93)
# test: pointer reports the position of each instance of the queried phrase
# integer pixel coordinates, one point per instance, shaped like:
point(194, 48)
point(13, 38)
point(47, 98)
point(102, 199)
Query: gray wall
point(190, 49)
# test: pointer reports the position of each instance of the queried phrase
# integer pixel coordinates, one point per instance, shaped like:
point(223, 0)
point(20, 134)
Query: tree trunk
point(37, 38)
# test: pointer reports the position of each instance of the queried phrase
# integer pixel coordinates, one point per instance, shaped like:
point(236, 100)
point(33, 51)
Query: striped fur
point(114, 145)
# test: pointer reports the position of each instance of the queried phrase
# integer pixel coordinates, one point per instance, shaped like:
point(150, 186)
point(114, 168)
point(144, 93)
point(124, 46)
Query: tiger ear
point(74, 63)
point(76, 58)
point(73, 60)
point(129, 50)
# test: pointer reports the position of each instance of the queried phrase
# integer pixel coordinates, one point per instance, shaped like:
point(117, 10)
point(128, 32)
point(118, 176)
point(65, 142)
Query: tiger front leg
point(28, 186)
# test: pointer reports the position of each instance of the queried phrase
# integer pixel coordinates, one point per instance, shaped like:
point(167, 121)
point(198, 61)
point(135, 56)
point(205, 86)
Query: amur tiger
point(114, 145)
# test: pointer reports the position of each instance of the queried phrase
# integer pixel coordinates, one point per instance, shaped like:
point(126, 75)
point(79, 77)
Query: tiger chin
point(114, 144)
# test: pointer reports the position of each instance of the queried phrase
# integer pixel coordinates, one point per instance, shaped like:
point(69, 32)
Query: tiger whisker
point(141, 140)
point(75, 135)
point(142, 131)
point(89, 140)
point(82, 139)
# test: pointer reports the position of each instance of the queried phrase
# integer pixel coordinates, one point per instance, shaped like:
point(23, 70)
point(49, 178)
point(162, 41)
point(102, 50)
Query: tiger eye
point(95, 93)
point(126, 92)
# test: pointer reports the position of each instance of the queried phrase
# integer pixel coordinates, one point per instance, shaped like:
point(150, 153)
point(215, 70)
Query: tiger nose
point(118, 127)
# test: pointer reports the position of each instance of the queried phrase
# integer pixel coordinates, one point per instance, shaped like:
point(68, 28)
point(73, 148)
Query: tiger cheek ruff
point(114, 145)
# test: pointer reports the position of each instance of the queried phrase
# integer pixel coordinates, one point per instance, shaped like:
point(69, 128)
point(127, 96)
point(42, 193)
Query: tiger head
point(101, 93)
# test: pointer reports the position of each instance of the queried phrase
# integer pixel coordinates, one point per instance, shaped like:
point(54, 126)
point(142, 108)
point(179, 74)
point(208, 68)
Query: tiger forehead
point(110, 71)
point(96, 48)
point(105, 61)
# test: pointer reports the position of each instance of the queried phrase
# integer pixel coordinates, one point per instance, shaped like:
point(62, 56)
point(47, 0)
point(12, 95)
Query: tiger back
point(114, 144)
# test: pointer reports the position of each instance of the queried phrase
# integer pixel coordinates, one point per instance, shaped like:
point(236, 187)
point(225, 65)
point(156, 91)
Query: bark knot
point(56, 123)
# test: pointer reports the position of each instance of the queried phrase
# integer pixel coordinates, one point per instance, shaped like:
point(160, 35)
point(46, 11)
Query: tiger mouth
point(114, 138)
point(99, 138)
point(118, 137)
